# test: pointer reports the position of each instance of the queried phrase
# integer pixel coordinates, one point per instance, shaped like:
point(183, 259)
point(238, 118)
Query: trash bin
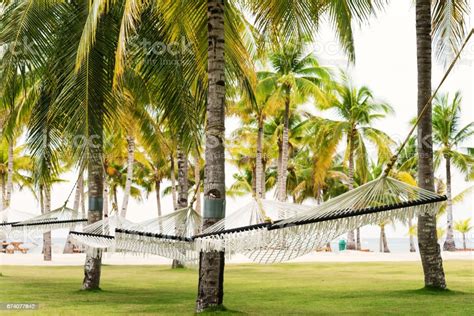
point(342, 245)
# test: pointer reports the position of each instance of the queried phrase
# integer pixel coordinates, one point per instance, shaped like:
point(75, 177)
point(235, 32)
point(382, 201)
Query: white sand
point(121, 259)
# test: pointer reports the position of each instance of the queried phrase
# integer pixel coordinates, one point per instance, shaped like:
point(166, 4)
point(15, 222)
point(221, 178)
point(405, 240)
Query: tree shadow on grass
point(431, 291)
point(221, 310)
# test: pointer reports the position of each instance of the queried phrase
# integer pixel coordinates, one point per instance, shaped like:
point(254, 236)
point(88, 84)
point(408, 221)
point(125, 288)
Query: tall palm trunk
point(383, 240)
point(351, 243)
point(95, 170)
point(9, 174)
point(114, 196)
point(412, 240)
point(197, 181)
point(449, 244)
point(83, 199)
point(282, 175)
point(3, 188)
point(128, 182)
point(211, 264)
point(69, 246)
point(254, 180)
point(259, 163)
point(280, 151)
point(158, 196)
point(173, 184)
point(105, 206)
point(264, 187)
point(464, 241)
point(427, 240)
point(182, 192)
point(46, 208)
point(358, 244)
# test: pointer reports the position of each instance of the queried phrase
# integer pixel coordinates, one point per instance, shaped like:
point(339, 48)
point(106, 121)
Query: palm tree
point(383, 238)
point(296, 77)
point(359, 109)
point(254, 111)
point(448, 27)
point(448, 135)
point(463, 227)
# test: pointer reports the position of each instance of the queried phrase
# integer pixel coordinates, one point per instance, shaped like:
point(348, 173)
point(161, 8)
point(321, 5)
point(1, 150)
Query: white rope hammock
point(11, 216)
point(167, 236)
point(252, 231)
point(375, 202)
point(60, 218)
point(101, 234)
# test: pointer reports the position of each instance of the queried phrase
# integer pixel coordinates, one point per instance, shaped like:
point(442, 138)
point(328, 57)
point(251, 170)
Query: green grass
point(316, 288)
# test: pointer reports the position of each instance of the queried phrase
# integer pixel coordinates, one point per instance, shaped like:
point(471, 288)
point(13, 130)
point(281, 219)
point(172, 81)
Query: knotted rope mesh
point(101, 234)
point(167, 236)
point(378, 201)
point(61, 218)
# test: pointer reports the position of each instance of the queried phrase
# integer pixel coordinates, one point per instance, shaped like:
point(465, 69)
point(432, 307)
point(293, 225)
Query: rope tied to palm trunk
point(394, 158)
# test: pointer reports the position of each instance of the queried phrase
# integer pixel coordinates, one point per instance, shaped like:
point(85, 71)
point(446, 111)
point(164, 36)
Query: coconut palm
point(296, 77)
point(359, 109)
point(447, 24)
point(254, 112)
point(449, 135)
point(464, 227)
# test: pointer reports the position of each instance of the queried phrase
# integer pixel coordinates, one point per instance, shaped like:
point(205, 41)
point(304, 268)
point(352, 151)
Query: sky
point(386, 63)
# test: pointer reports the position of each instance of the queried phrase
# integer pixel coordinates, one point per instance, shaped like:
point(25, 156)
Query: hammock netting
point(10, 216)
point(100, 234)
point(254, 232)
point(381, 200)
point(167, 236)
point(61, 218)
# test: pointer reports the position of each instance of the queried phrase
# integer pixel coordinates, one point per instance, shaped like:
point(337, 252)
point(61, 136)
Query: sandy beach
point(129, 259)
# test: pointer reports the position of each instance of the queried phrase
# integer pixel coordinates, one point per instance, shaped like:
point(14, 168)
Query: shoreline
point(138, 259)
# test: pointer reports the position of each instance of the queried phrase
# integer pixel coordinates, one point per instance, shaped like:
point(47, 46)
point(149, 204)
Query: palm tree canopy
point(448, 133)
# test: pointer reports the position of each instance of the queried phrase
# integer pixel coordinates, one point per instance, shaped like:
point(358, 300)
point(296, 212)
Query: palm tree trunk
point(449, 244)
point(69, 246)
point(381, 240)
point(412, 241)
point(158, 197)
point(279, 159)
point(351, 243)
point(83, 199)
point(282, 175)
point(105, 206)
point(254, 181)
point(427, 240)
point(2, 202)
point(128, 183)
point(47, 251)
point(182, 179)
point(173, 184)
point(211, 264)
point(358, 244)
point(197, 181)
point(264, 187)
point(9, 174)
point(464, 241)
point(114, 196)
point(259, 165)
point(384, 239)
point(92, 266)
point(182, 191)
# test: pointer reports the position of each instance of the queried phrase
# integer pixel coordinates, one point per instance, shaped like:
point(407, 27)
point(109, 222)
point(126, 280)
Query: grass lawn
point(316, 288)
